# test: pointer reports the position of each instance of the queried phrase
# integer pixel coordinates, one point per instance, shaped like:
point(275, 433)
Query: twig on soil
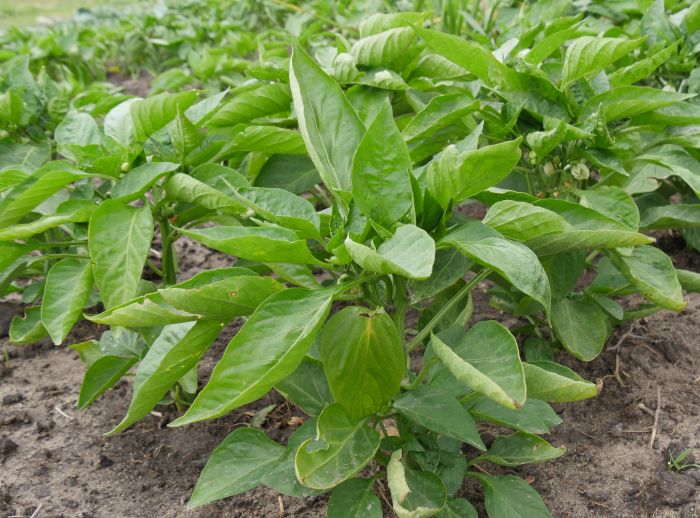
point(656, 417)
point(481, 469)
point(643, 430)
point(646, 409)
point(624, 337)
point(618, 378)
point(281, 502)
point(36, 511)
point(58, 409)
point(697, 380)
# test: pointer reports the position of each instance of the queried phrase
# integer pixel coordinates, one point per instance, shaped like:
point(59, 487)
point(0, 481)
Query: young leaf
point(487, 360)
point(119, 238)
point(652, 272)
point(363, 359)
point(457, 508)
point(671, 216)
point(307, 387)
point(342, 447)
point(155, 112)
point(520, 448)
point(511, 497)
point(71, 211)
point(380, 175)
point(414, 494)
point(410, 252)
point(269, 347)
point(136, 182)
point(354, 499)
point(67, 289)
point(176, 351)
point(581, 326)
point(266, 99)
point(629, 101)
point(523, 221)
point(439, 412)
point(550, 381)
point(29, 329)
point(534, 416)
point(238, 464)
point(641, 69)
point(101, 375)
point(328, 123)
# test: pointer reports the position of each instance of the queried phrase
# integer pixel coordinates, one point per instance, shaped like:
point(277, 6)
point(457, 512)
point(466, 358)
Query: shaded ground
point(57, 458)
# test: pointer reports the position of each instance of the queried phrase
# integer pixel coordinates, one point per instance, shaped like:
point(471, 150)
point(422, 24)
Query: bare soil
point(57, 459)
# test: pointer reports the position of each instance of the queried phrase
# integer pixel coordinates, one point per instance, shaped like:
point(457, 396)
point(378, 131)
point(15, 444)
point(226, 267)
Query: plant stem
point(168, 262)
point(422, 335)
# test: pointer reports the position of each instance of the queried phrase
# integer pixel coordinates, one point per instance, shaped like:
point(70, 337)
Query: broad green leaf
point(651, 271)
point(550, 381)
point(509, 496)
point(363, 359)
point(268, 139)
point(76, 129)
point(523, 221)
point(690, 281)
point(118, 123)
point(520, 448)
point(534, 416)
point(550, 44)
point(67, 289)
point(392, 48)
point(176, 351)
point(295, 173)
point(341, 449)
point(457, 508)
point(589, 54)
point(31, 155)
point(71, 211)
point(29, 329)
point(641, 69)
point(263, 244)
point(381, 22)
point(543, 142)
point(665, 162)
point(282, 207)
point(155, 112)
point(487, 360)
point(269, 347)
point(101, 375)
point(410, 252)
point(328, 123)
point(450, 266)
point(307, 387)
point(628, 101)
point(354, 498)
point(581, 326)
point(671, 216)
point(612, 202)
point(119, 241)
point(381, 187)
point(414, 494)
point(515, 262)
point(477, 171)
point(136, 182)
point(238, 464)
point(145, 311)
point(263, 101)
point(188, 189)
point(439, 412)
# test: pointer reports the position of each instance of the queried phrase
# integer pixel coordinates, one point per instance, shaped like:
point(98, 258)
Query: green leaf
point(690, 281)
point(457, 508)
point(155, 112)
point(450, 266)
point(188, 189)
point(487, 360)
point(238, 464)
point(641, 69)
point(410, 252)
point(363, 359)
point(263, 244)
point(29, 329)
point(651, 271)
point(515, 262)
point(119, 238)
point(263, 101)
point(511, 497)
point(414, 494)
point(101, 375)
point(268, 139)
point(522, 221)
point(118, 123)
point(671, 216)
point(581, 326)
point(328, 123)
point(392, 48)
point(381, 187)
point(136, 182)
point(307, 387)
point(341, 449)
point(439, 412)
point(76, 129)
point(534, 416)
point(628, 101)
point(269, 347)
point(176, 351)
point(476, 171)
point(354, 499)
point(550, 44)
point(590, 54)
point(67, 289)
point(520, 448)
point(294, 173)
point(612, 202)
point(71, 211)
point(282, 477)
point(550, 381)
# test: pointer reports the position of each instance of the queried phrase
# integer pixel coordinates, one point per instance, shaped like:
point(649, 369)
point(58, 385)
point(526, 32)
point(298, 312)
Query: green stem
point(423, 334)
point(169, 273)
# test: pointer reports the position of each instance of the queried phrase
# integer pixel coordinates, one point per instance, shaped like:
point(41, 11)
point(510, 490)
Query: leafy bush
point(338, 183)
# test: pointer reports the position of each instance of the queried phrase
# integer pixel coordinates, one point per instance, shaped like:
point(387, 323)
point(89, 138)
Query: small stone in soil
point(104, 461)
point(7, 447)
point(12, 399)
point(44, 426)
point(673, 489)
